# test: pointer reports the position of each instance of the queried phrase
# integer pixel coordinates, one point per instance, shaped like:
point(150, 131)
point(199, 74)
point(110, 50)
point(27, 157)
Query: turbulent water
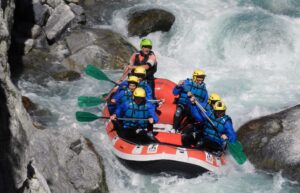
point(250, 52)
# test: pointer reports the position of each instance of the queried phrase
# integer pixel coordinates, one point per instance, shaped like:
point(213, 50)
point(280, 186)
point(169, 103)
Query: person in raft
point(185, 89)
point(140, 73)
point(140, 129)
point(215, 131)
point(123, 94)
point(147, 59)
point(212, 99)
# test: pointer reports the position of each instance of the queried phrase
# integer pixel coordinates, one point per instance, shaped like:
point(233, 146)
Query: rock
point(271, 142)
point(28, 104)
point(39, 161)
point(54, 3)
point(79, 13)
point(58, 21)
point(72, 1)
point(101, 11)
point(143, 22)
point(101, 47)
point(3, 30)
point(41, 41)
point(41, 13)
point(36, 183)
point(65, 169)
point(28, 45)
point(38, 125)
point(50, 9)
point(89, 55)
point(77, 9)
point(35, 31)
point(66, 76)
point(79, 40)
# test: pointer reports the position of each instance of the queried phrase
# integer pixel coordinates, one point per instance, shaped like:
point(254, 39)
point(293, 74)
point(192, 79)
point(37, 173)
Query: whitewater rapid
point(250, 52)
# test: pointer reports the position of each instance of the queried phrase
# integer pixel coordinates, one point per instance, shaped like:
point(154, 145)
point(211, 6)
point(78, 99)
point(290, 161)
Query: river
point(250, 53)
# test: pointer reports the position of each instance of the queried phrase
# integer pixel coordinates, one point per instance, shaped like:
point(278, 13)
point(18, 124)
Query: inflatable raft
point(167, 155)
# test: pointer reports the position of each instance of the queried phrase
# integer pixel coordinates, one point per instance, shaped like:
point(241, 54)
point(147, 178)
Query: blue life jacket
point(208, 107)
point(145, 85)
point(127, 96)
point(136, 111)
point(210, 111)
point(199, 91)
point(210, 133)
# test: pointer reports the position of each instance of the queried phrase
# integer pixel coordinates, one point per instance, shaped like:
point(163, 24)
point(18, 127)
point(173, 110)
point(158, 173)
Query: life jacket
point(208, 107)
point(127, 95)
point(144, 84)
point(199, 91)
point(210, 133)
point(141, 59)
point(136, 111)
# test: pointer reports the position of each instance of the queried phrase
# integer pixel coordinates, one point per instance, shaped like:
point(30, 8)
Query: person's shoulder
point(226, 118)
point(187, 81)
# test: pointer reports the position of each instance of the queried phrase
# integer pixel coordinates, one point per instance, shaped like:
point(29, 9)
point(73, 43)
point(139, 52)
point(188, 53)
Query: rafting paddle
point(89, 101)
point(94, 72)
point(82, 116)
point(235, 149)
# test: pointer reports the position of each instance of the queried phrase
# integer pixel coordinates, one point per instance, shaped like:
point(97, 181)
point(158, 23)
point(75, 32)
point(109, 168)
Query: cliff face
point(13, 142)
point(33, 160)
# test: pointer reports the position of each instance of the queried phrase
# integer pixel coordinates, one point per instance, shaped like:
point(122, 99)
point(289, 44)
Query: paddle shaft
point(125, 119)
point(207, 117)
point(125, 73)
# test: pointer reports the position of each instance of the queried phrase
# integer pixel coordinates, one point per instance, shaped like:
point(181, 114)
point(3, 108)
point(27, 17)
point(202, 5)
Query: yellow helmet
point(214, 97)
point(139, 92)
point(140, 70)
point(198, 73)
point(133, 79)
point(219, 106)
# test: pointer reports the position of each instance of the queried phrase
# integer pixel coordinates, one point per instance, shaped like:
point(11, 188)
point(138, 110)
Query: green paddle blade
point(89, 101)
point(236, 150)
point(85, 116)
point(96, 73)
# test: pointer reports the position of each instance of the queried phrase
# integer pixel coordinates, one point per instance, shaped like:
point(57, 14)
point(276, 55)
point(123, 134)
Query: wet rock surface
point(35, 158)
point(66, 76)
point(271, 142)
point(100, 11)
point(59, 19)
point(143, 22)
point(100, 47)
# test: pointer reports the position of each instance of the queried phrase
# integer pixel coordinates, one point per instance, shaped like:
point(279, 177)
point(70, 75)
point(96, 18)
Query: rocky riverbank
point(53, 38)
